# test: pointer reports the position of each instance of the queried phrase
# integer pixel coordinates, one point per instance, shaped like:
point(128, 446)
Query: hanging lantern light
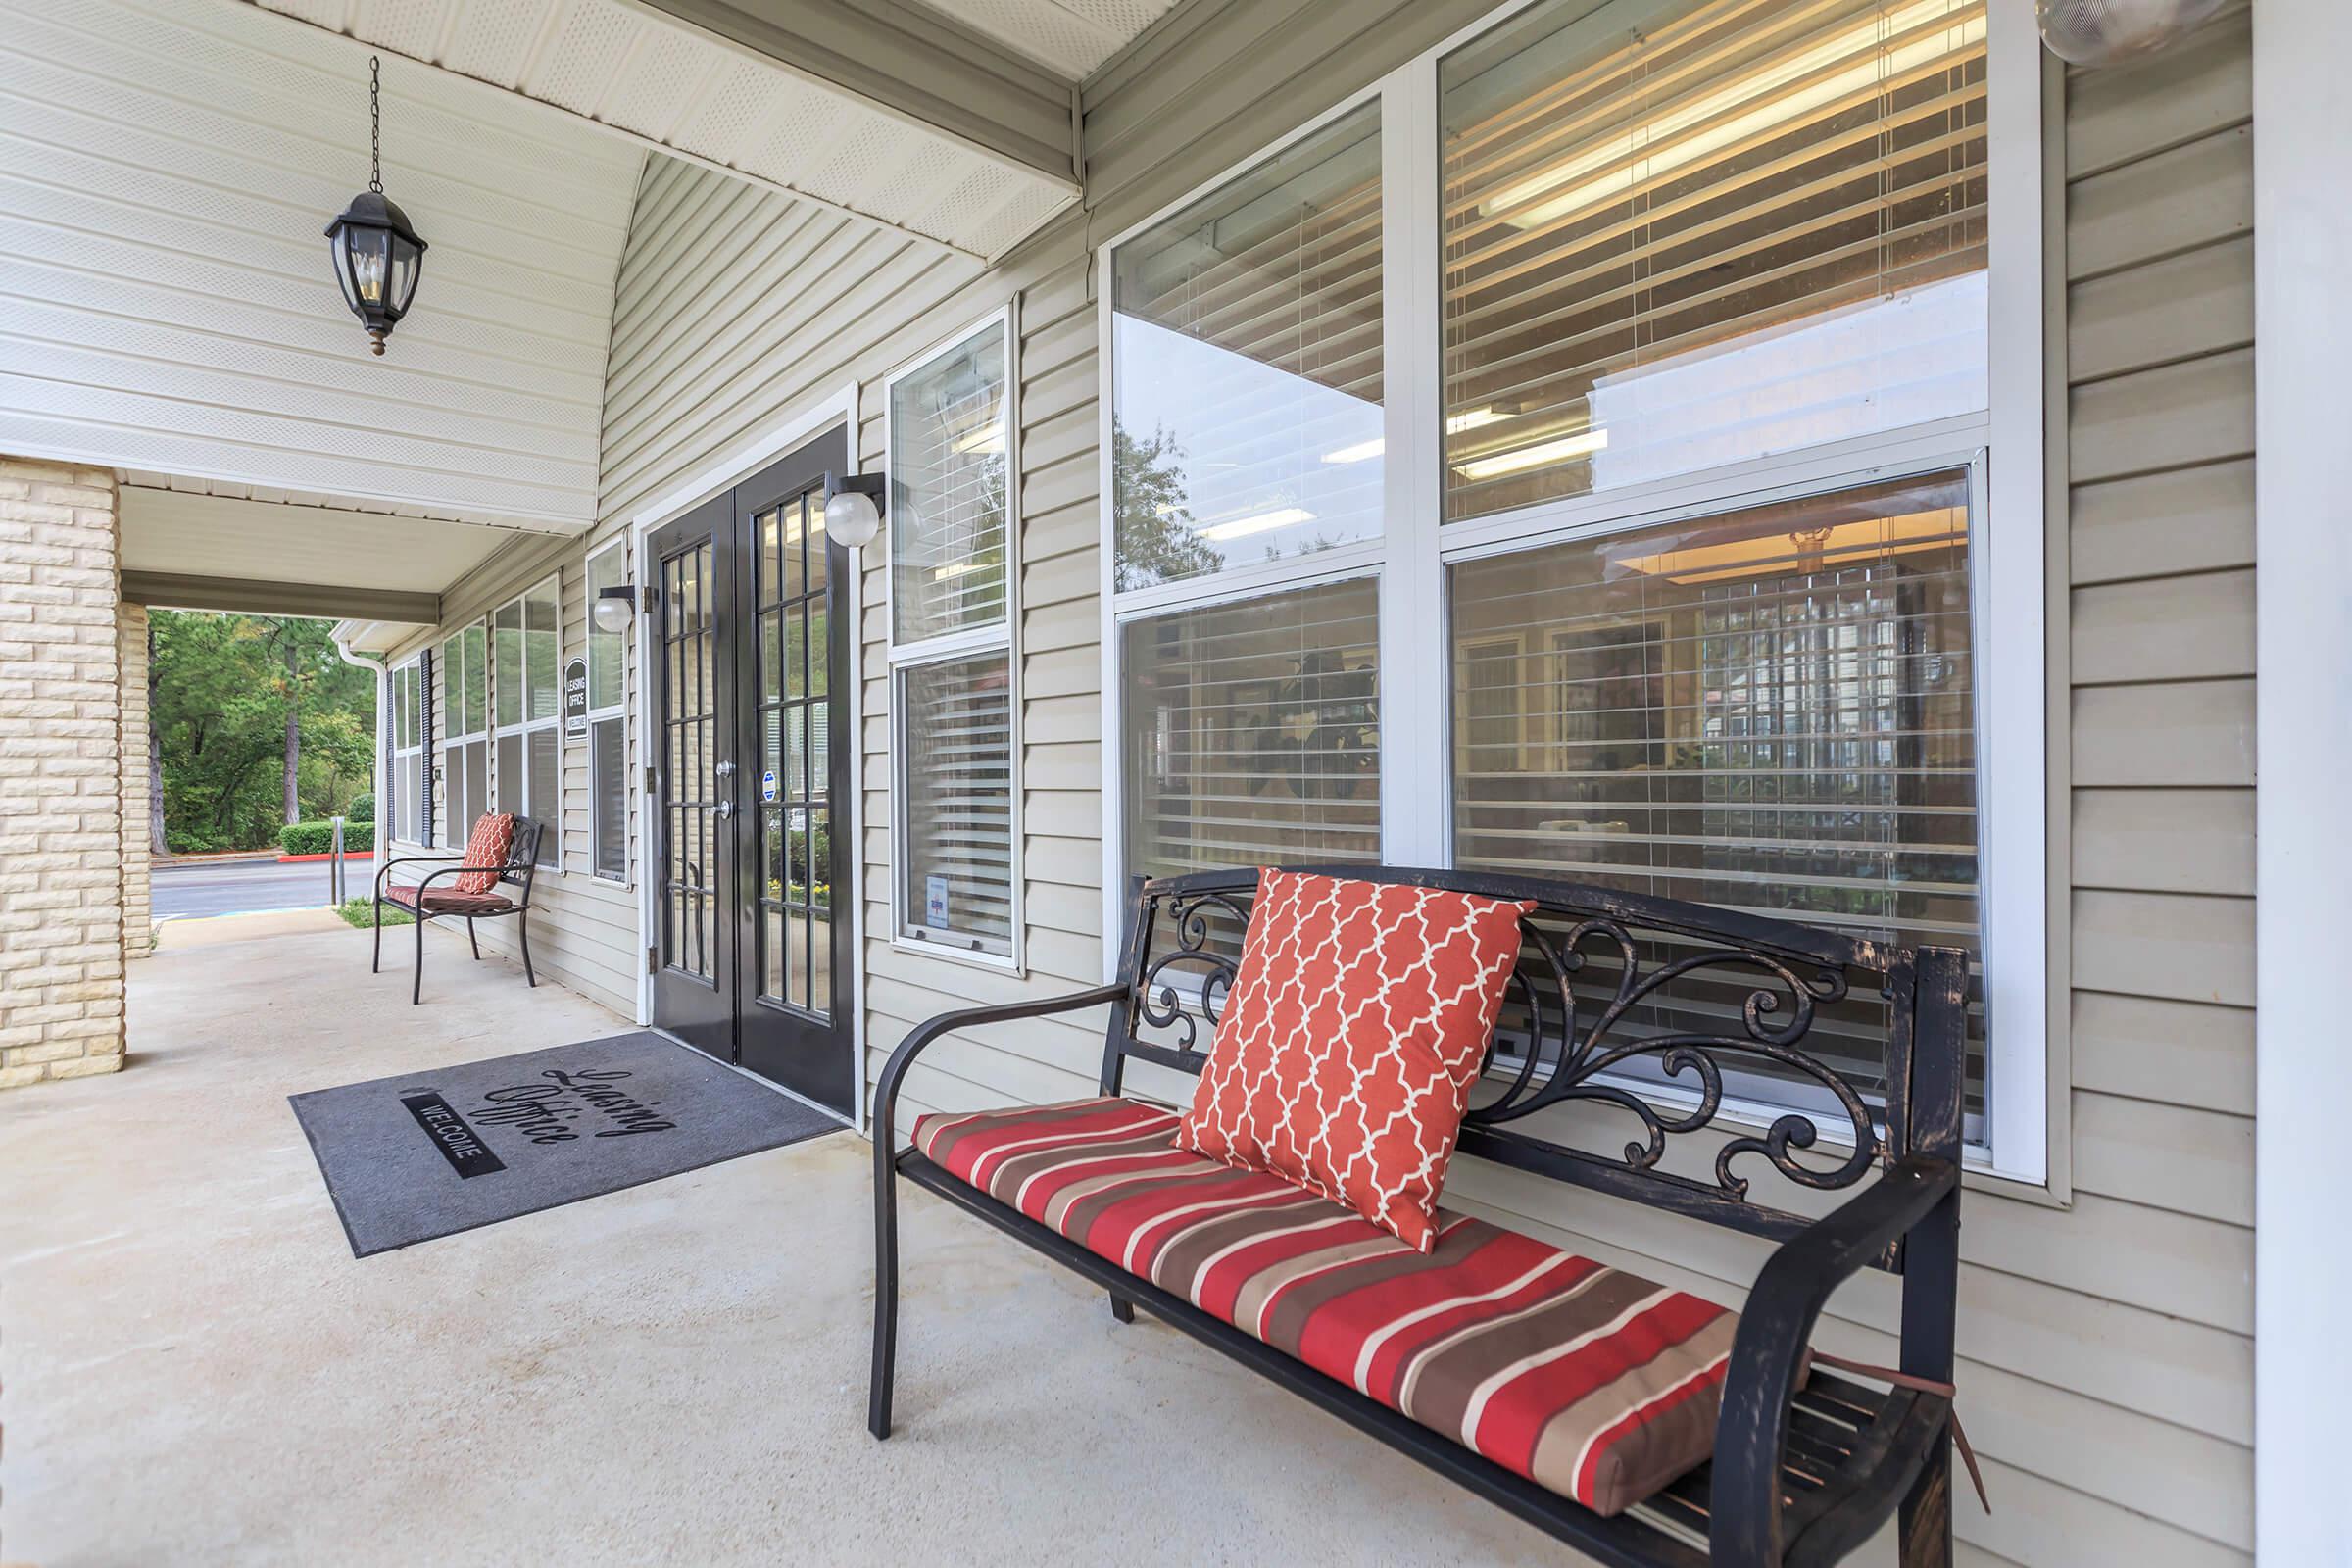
point(378, 252)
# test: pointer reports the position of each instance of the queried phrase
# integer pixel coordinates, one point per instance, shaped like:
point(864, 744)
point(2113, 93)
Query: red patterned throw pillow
point(1355, 1028)
point(492, 840)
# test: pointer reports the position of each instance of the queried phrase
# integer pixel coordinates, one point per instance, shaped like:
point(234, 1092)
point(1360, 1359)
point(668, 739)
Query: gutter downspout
point(378, 768)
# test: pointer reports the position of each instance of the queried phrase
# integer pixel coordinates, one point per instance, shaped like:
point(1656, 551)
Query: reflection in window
point(1247, 361)
point(1252, 732)
point(1739, 229)
point(947, 490)
point(1770, 710)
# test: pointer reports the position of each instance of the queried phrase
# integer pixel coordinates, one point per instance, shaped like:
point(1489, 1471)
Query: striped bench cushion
point(1590, 1381)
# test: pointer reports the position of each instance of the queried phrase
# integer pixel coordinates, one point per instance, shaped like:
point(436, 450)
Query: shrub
point(362, 809)
point(318, 837)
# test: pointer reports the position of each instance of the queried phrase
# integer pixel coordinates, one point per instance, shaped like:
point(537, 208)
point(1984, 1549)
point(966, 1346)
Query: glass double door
point(754, 888)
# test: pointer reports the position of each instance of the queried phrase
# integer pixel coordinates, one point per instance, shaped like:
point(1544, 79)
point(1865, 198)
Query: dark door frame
point(839, 411)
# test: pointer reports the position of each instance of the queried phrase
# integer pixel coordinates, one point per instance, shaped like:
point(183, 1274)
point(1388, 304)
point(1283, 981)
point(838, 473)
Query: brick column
point(138, 907)
point(61, 784)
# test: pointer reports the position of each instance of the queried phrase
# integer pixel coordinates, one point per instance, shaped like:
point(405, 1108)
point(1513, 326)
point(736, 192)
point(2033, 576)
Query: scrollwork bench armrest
point(1768, 1352)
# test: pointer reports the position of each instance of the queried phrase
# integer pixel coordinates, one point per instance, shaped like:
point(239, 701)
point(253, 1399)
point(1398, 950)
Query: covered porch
point(198, 1373)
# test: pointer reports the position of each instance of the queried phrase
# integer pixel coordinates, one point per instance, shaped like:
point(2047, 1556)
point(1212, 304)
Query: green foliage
point(318, 837)
point(361, 914)
point(222, 687)
point(1155, 535)
point(363, 807)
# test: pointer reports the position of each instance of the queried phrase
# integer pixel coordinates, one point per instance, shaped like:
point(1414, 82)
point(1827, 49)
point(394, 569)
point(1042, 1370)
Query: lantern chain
point(375, 126)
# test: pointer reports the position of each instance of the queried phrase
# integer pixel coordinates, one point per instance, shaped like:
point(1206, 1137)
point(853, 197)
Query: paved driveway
point(243, 887)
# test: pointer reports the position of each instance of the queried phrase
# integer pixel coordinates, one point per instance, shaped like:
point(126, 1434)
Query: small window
point(957, 719)
point(953, 650)
point(526, 639)
point(947, 491)
point(466, 740)
point(608, 743)
point(411, 778)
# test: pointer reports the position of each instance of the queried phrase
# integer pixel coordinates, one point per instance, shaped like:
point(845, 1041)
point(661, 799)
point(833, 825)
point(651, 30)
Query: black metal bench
point(1805, 1468)
point(421, 899)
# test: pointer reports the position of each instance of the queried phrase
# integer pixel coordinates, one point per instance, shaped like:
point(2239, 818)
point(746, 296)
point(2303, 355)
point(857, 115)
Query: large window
point(608, 732)
point(952, 587)
point(1771, 710)
point(1679, 236)
point(1252, 732)
point(465, 731)
point(1686, 550)
point(1247, 361)
point(526, 639)
point(411, 780)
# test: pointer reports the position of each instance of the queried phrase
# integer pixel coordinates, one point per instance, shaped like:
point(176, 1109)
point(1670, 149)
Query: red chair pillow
point(1357, 1023)
point(490, 843)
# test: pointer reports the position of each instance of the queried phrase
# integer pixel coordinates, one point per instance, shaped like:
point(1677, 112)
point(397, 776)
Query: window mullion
point(1412, 643)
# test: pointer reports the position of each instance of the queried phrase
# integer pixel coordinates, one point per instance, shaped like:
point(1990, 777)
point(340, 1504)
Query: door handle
point(724, 770)
point(724, 809)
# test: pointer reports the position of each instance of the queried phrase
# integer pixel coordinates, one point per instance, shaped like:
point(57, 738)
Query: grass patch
point(361, 914)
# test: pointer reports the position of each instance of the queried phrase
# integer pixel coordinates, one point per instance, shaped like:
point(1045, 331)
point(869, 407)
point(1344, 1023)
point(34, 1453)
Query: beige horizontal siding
point(2106, 1349)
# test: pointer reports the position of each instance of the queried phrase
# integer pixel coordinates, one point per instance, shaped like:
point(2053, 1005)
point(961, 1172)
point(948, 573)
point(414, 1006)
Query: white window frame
point(402, 800)
point(529, 726)
point(1004, 637)
point(2008, 586)
point(444, 664)
point(617, 710)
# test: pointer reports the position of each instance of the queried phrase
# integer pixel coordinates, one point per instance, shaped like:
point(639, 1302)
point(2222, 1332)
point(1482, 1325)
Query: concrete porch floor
point(197, 1371)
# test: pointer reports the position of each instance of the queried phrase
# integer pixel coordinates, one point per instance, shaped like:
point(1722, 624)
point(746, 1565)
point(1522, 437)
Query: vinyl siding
point(2106, 1337)
point(170, 301)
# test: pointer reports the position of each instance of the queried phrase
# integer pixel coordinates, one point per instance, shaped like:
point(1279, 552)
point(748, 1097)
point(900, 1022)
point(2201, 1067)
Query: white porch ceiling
point(726, 82)
point(167, 168)
point(1071, 37)
point(273, 539)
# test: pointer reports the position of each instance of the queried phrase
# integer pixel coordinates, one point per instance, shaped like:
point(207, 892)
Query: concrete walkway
point(197, 1371)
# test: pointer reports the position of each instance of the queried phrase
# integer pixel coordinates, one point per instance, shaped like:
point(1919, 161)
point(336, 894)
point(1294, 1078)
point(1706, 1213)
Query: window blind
point(1692, 233)
point(946, 481)
point(1252, 732)
point(1772, 711)
point(957, 733)
point(1246, 359)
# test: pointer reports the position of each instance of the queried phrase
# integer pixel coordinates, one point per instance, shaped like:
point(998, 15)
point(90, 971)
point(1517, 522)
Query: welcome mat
point(432, 1153)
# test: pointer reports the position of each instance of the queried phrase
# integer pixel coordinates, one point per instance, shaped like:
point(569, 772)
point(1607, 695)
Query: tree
point(239, 699)
point(1153, 532)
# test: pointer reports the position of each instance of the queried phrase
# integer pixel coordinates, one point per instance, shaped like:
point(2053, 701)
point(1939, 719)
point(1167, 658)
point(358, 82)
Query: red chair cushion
point(1358, 1022)
point(1585, 1379)
point(489, 844)
point(448, 901)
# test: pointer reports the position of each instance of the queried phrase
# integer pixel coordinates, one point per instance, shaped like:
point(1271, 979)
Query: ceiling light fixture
point(1238, 527)
point(378, 254)
point(1469, 419)
point(1541, 455)
point(1651, 148)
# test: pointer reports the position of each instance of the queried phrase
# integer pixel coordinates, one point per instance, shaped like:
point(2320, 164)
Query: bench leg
point(885, 1287)
point(1122, 1308)
point(1925, 1539)
point(417, 990)
point(523, 925)
point(476, 941)
point(376, 964)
